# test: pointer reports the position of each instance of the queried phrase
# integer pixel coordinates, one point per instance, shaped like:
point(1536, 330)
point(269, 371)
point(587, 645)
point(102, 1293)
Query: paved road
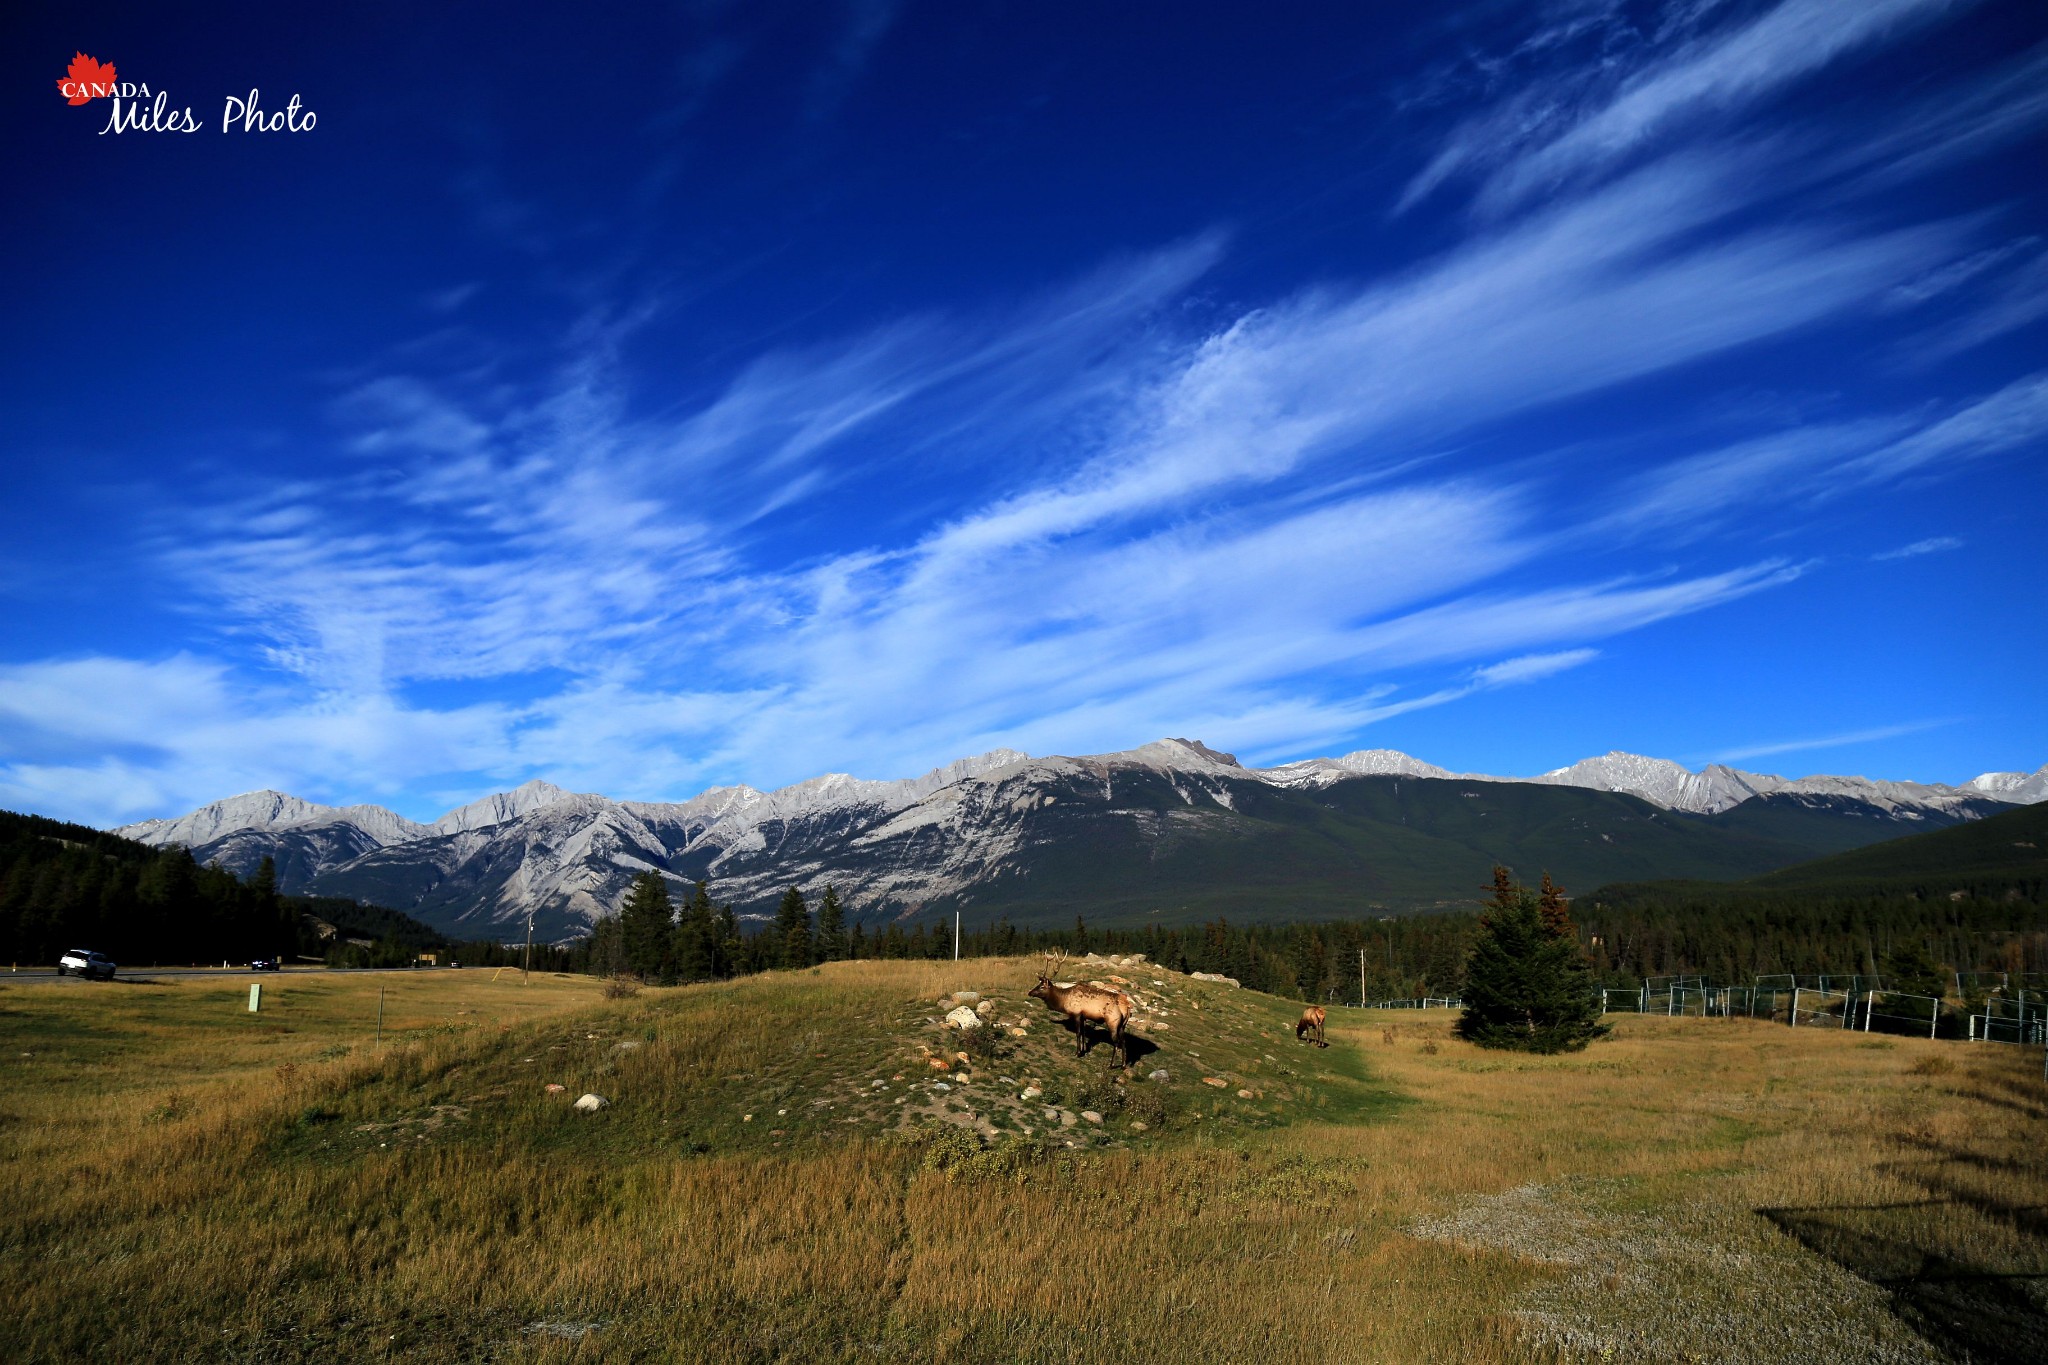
point(157, 973)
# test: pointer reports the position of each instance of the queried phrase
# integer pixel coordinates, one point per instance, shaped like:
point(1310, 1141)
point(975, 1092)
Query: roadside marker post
point(255, 996)
point(380, 1016)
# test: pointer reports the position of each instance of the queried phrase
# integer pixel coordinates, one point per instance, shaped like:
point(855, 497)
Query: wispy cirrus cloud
point(1933, 545)
point(1593, 115)
point(1834, 741)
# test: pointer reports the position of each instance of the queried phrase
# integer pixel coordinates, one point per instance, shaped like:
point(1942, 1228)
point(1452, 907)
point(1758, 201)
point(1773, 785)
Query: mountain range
point(1172, 828)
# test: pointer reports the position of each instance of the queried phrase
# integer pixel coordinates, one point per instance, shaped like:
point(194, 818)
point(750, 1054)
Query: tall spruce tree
point(831, 927)
point(1527, 985)
point(697, 938)
point(793, 929)
point(647, 928)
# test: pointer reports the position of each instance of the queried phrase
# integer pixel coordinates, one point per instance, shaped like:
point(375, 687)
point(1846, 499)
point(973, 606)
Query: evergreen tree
point(647, 928)
point(1909, 970)
point(1527, 985)
point(793, 930)
point(857, 943)
point(697, 938)
point(831, 927)
point(730, 944)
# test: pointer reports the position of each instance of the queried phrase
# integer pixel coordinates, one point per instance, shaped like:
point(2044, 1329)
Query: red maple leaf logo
point(79, 82)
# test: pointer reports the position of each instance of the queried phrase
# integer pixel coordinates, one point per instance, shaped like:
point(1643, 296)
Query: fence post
point(380, 1016)
point(1869, 999)
point(1933, 1017)
point(1795, 1007)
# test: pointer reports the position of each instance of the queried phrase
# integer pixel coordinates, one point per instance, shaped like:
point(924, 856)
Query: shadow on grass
point(1136, 1049)
point(1971, 1312)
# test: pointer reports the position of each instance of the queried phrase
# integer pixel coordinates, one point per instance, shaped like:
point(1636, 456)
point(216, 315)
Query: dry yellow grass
point(1686, 1188)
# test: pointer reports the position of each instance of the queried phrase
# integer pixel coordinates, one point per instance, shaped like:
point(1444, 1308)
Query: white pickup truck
point(87, 963)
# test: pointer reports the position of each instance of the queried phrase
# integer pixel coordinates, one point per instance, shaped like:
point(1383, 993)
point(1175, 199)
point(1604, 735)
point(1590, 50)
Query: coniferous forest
point(66, 886)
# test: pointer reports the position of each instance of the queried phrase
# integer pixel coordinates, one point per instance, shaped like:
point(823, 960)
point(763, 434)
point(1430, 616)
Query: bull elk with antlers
point(1102, 1006)
point(1311, 1021)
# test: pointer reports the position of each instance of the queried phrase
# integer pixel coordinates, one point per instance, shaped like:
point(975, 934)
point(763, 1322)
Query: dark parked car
point(263, 964)
point(87, 963)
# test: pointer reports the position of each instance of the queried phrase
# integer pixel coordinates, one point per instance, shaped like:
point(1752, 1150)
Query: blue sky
point(740, 392)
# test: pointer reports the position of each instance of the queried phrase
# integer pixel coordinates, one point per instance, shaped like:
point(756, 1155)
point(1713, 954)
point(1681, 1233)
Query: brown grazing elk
point(1102, 1006)
point(1311, 1021)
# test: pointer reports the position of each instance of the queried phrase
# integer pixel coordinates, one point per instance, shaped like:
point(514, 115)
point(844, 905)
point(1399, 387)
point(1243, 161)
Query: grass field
point(785, 1173)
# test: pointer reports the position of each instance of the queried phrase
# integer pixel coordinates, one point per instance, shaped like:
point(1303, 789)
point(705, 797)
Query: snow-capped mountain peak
point(499, 807)
point(2021, 788)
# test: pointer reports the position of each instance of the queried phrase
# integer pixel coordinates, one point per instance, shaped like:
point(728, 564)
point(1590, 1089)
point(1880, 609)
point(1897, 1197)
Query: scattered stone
point(966, 997)
point(1031, 1092)
point(963, 1059)
point(1214, 976)
point(1216, 1081)
point(940, 1085)
point(878, 1085)
point(895, 1078)
point(590, 1104)
point(1091, 1116)
point(986, 1008)
point(963, 1019)
point(629, 1045)
point(941, 1064)
point(1160, 1075)
point(555, 1089)
point(567, 1331)
point(780, 1113)
point(746, 1118)
point(1052, 1112)
point(1139, 1125)
point(1244, 1094)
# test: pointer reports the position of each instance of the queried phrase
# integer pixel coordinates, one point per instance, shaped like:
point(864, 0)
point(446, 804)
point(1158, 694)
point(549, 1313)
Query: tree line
point(1623, 933)
point(65, 886)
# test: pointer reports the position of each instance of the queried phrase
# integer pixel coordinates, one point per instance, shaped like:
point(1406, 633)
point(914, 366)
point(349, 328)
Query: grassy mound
point(846, 1053)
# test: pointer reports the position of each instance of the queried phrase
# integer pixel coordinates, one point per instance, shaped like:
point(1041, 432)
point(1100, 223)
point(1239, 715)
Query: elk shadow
point(1970, 1312)
point(1135, 1047)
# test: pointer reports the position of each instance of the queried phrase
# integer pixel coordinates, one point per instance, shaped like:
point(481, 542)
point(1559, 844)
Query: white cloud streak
point(1933, 545)
point(1837, 741)
point(1559, 130)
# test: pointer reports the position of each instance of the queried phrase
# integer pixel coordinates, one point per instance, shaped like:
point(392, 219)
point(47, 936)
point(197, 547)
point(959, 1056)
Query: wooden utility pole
point(1361, 978)
point(526, 972)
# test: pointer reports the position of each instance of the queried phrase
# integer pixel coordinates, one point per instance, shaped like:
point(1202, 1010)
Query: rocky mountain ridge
point(954, 833)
